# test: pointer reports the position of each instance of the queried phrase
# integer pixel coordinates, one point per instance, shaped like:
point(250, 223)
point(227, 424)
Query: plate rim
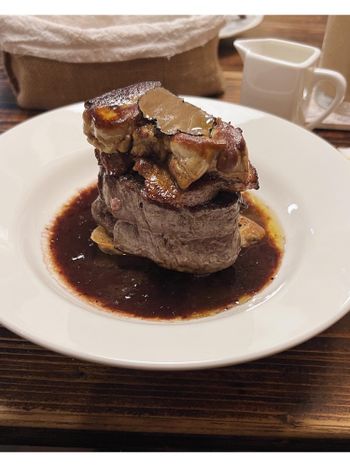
point(256, 20)
point(300, 338)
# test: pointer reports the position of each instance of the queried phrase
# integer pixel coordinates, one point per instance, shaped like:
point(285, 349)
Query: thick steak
point(200, 240)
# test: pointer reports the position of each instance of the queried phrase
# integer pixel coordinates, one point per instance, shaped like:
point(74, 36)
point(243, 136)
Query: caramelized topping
point(172, 114)
point(147, 121)
point(159, 185)
point(121, 97)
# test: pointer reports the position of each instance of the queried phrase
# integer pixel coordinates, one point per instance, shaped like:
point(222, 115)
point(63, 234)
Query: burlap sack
point(60, 67)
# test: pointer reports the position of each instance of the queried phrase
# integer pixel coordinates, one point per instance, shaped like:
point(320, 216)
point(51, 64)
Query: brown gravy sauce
point(137, 287)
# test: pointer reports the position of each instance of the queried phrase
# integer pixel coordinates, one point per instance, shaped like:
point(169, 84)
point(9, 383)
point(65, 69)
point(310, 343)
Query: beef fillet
point(199, 240)
point(170, 179)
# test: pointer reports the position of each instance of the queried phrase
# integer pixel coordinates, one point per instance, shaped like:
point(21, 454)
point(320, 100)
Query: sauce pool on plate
point(137, 287)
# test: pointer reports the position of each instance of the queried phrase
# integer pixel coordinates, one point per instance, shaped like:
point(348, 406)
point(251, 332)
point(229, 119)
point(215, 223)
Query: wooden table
point(299, 399)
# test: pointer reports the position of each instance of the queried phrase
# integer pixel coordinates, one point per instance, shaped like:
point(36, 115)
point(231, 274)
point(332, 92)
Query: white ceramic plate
point(303, 179)
point(236, 25)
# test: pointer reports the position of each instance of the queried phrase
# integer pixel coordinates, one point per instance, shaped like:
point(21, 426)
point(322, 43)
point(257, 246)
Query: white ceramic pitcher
point(279, 77)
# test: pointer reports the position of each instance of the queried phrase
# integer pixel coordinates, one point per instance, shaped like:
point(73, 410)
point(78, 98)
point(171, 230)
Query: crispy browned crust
point(122, 96)
point(114, 124)
point(117, 106)
point(234, 145)
point(114, 164)
point(253, 179)
point(161, 188)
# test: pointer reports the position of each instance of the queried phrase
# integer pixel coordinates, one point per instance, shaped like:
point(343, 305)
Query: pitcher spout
point(277, 50)
point(241, 48)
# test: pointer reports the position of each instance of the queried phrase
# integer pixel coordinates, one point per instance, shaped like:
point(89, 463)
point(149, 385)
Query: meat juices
point(170, 178)
point(136, 287)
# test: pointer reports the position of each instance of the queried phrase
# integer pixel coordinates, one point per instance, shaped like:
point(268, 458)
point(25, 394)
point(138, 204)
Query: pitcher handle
point(339, 82)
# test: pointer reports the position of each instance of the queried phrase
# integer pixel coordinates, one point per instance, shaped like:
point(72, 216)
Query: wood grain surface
point(299, 399)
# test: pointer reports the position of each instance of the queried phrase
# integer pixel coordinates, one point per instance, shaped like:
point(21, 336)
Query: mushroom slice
point(172, 114)
point(250, 231)
point(104, 241)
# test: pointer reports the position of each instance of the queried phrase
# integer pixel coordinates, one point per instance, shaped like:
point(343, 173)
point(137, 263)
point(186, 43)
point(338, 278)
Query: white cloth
point(105, 38)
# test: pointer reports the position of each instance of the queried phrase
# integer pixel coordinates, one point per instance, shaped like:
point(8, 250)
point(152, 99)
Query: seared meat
point(148, 121)
point(159, 186)
point(102, 215)
point(198, 240)
point(115, 163)
point(250, 232)
point(170, 180)
point(225, 152)
point(191, 156)
point(147, 143)
point(110, 119)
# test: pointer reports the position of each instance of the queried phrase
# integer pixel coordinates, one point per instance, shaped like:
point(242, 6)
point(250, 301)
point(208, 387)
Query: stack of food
point(170, 180)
